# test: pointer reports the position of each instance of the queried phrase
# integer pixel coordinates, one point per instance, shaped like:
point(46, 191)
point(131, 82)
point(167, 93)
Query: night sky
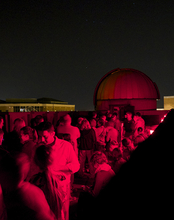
point(60, 48)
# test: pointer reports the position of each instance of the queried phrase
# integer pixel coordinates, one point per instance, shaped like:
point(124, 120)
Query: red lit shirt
point(103, 175)
point(73, 131)
point(64, 159)
point(27, 202)
point(111, 134)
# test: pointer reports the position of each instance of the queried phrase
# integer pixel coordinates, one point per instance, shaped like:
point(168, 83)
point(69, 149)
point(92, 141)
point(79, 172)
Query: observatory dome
point(126, 87)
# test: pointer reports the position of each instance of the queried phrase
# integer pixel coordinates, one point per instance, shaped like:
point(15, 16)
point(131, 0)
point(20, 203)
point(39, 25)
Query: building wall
point(38, 107)
point(139, 104)
point(168, 102)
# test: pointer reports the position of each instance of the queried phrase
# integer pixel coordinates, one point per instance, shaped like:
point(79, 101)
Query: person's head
point(38, 119)
point(85, 125)
point(137, 116)
point(110, 123)
point(117, 154)
point(18, 124)
point(1, 136)
point(94, 115)
point(128, 115)
point(48, 133)
point(93, 123)
point(1, 122)
point(114, 116)
point(67, 119)
point(42, 157)
point(98, 158)
point(100, 122)
point(13, 170)
point(127, 144)
point(79, 120)
point(103, 117)
point(26, 133)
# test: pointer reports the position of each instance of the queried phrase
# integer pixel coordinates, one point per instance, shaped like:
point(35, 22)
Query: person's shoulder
point(31, 191)
point(62, 143)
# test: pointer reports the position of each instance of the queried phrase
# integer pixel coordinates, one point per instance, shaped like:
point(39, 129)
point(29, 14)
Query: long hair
point(85, 125)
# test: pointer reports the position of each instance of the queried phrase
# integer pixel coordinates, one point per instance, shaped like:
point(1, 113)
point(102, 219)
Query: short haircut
point(42, 157)
point(28, 130)
point(48, 126)
point(38, 119)
point(115, 113)
point(129, 113)
point(138, 114)
point(101, 122)
point(67, 118)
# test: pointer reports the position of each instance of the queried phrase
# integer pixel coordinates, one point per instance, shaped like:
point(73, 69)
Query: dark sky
point(61, 48)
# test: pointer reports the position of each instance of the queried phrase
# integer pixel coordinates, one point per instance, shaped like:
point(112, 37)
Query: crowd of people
point(38, 162)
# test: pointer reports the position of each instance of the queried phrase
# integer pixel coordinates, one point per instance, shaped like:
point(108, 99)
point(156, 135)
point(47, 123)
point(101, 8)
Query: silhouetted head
point(67, 119)
point(42, 157)
point(18, 124)
point(26, 133)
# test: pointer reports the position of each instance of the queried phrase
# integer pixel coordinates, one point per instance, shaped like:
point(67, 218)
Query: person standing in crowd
point(64, 163)
point(22, 200)
point(127, 148)
point(12, 139)
point(103, 171)
point(79, 121)
point(111, 135)
point(47, 182)
point(67, 128)
point(117, 124)
point(117, 160)
point(139, 122)
point(87, 145)
point(29, 148)
point(93, 123)
point(101, 135)
point(128, 125)
point(140, 137)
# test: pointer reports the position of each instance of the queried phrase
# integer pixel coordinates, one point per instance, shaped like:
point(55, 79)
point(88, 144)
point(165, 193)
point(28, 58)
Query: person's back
point(27, 202)
point(67, 128)
point(111, 132)
point(22, 199)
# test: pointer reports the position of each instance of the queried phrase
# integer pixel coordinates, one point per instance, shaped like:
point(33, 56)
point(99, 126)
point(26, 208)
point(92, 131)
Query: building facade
point(36, 105)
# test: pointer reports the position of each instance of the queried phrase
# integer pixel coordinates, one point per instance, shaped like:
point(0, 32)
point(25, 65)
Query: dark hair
point(28, 130)
point(119, 153)
point(101, 122)
point(48, 126)
point(1, 118)
point(115, 113)
point(38, 119)
point(138, 114)
point(42, 157)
